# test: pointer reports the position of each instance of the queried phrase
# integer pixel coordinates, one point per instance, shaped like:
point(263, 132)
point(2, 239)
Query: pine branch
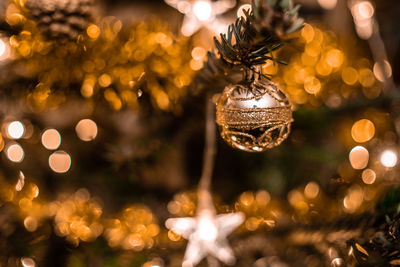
point(252, 39)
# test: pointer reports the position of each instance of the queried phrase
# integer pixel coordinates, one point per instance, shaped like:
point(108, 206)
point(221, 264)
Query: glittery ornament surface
point(254, 115)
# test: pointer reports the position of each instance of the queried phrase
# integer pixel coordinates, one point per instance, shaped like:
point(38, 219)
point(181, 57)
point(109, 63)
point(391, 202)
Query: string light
point(21, 182)
point(359, 157)
point(16, 129)
point(28, 262)
point(382, 70)
point(350, 75)
point(15, 152)
point(207, 234)
point(31, 223)
point(77, 217)
point(200, 13)
point(363, 130)
point(353, 199)
point(86, 130)
point(51, 139)
point(202, 10)
point(60, 161)
point(135, 229)
point(337, 262)
point(363, 12)
point(93, 31)
point(389, 158)
point(368, 176)
point(327, 4)
point(4, 49)
point(309, 76)
point(242, 9)
point(311, 190)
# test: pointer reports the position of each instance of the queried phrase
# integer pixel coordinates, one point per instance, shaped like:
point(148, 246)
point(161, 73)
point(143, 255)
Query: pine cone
point(61, 18)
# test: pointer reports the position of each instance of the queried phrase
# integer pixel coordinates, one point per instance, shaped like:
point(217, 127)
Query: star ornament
point(200, 13)
point(207, 234)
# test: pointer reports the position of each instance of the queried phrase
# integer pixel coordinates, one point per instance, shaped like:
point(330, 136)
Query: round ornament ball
point(254, 115)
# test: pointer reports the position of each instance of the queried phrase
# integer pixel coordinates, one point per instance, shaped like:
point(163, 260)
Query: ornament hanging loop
point(253, 73)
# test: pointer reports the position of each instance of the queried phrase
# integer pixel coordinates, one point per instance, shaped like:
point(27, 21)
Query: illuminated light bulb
point(173, 236)
point(202, 10)
point(337, 262)
point(16, 129)
point(31, 224)
point(1, 142)
point(93, 31)
point(28, 262)
point(363, 10)
point(21, 182)
point(86, 130)
point(196, 65)
point(263, 198)
point(366, 77)
point(3, 48)
point(15, 153)
point(201, 13)
point(327, 4)
point(359, 157)
point(353, 199)
point(60, 161)
point(311, 190)
point(183, 7)
point(105, 80)
point(51, 139)
point(312, 85)
point(349, 75)
point(382, 70)
point(207, 230)
point(308, 33)
point(365, 29)
point(252, 223)
point(242, 8)
point(334, 58)
point(363, 131)
point(368, 176)
point(389, 158)
point(246, 198)
point(295, 197)
point(198, 53)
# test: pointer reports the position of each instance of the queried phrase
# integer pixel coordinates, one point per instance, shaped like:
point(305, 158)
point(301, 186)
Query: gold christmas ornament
point(254, 115)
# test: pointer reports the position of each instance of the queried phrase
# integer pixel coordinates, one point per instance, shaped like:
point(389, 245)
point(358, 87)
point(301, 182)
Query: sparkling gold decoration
point(254, 115)
point(119, 63)
point(135, 229)
point(327, 71)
